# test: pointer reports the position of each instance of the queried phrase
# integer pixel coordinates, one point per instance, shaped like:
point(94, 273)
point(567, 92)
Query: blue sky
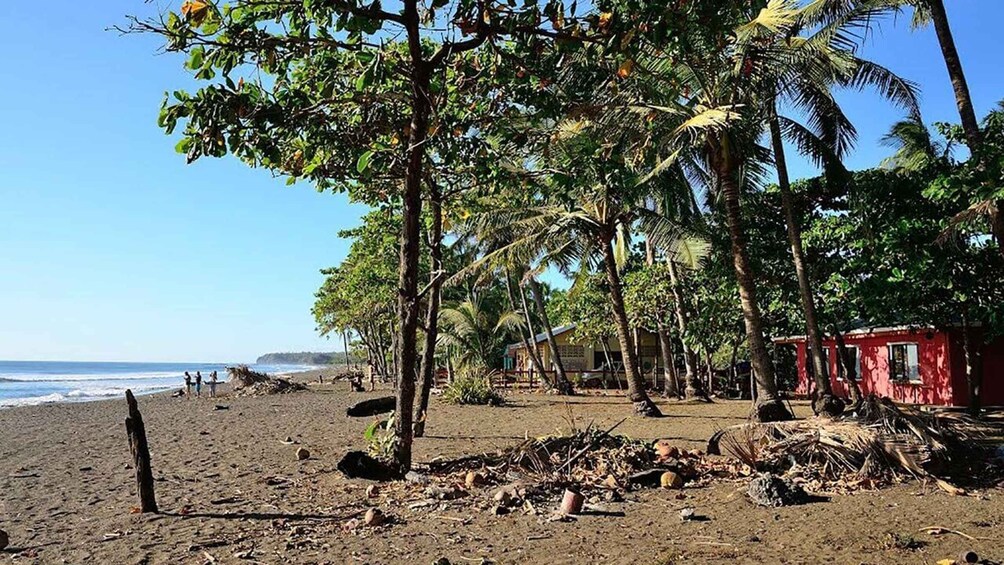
point(111, 248)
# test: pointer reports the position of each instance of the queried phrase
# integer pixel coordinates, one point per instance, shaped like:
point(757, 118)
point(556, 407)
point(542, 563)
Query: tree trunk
point(693, 389)
point(963, 99)
point(972, 348)
point(643, 405)
point(711, 371)
point(769, 407)
point(345, 346)
point(530, 348)
point(428, 367)
point(826, 402)
point(850, 370)
point(561, 382)
point(408, 300)
point(670, 387)
point(964, 102)
point(140, 455)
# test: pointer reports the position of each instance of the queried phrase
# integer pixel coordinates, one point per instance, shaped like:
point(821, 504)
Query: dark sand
point(66, 491)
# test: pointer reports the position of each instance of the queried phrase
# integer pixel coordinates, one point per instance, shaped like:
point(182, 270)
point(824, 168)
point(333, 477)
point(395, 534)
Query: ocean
point(24, 383)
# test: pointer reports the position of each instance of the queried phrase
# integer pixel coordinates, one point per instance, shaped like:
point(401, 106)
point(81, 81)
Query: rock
point(360, 465)
point(302, 454)
point(686, 514)
point(441, 561)
point(474, 479)
point(443, 493)
point(4, 540)
point(372, 407)
point(416, 478)
point(374, 517)
point(571, 503)
point(772, 491)
point(669, 479)
point(504, 497)
point(372, 491)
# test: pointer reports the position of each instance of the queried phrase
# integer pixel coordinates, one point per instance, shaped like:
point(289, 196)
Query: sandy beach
point(231, 491)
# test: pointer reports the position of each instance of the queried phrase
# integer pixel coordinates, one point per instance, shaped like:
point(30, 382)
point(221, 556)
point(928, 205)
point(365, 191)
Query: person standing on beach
point(188, 384)
point(212, 384)
point(198, 383)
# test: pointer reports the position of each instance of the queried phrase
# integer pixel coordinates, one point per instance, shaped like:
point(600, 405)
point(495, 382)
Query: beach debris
point(247, 382)
point(878, 443)
point(372, 407)
point(670, 480)
point(941, 530)
point(441, 561)
point(361, 465)
point(373, 518)
point(571, 502)
point(302, 454)
point(221, 407)
point(4, 540)
point(968, 556)
point(287, 441)
point(225, 500)
point(687, 514)
point(773, 491)
point(666, 450)
point(140, 454)
point(178, 393)
point(372, 491)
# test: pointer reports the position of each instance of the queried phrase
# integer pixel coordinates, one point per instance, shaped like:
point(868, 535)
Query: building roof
point(863, 330)
point(542, 337)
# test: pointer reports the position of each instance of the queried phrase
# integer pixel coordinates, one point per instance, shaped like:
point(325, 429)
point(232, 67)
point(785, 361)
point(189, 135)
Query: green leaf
point(364, 161)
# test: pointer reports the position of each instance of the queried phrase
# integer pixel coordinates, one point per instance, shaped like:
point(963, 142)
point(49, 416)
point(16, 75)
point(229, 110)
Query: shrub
point(473, 389)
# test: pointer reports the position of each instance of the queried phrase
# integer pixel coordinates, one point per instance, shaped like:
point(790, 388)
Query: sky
point(113, 249)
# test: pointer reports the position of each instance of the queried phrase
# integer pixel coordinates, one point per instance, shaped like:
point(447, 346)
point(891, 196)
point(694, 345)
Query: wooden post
point(140, 455)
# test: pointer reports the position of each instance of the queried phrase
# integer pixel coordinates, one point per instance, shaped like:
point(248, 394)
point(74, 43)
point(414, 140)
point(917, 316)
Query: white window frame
point(910, 379)
point(857, 363)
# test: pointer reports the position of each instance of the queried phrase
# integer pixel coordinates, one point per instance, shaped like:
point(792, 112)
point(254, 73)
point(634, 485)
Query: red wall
point(993, 371)
point(936, 367)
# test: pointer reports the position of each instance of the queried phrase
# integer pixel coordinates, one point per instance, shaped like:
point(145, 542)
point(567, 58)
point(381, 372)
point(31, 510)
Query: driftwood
point(140, 455)
point(372, 407)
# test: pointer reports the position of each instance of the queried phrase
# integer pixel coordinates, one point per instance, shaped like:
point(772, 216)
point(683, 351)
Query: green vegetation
point(626, 146)
point(473, 388)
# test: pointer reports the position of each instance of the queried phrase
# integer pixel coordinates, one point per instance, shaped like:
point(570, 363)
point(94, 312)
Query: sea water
point(25, 383)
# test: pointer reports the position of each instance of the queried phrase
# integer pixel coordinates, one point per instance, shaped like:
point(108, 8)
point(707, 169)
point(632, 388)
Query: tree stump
point(140, 455)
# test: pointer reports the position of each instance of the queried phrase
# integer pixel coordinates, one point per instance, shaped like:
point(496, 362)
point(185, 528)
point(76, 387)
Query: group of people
point(212, 381)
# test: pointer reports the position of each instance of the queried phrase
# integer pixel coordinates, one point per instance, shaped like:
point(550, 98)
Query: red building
point(918, 365)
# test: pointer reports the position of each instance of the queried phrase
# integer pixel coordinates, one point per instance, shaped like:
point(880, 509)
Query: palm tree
point(802, 71)
point(473, 334)
point(933, 11)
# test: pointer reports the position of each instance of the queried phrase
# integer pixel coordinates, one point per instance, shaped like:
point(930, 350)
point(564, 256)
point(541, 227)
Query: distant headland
point(301, 358)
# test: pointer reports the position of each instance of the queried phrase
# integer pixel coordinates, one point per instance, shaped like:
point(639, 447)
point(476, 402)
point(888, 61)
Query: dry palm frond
point(881, 441)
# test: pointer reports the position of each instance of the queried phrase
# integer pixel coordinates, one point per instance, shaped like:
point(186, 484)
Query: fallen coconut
point(302, 454)
point(474, 479)
point(374, 517)
point(669, 479)
point(664, 449)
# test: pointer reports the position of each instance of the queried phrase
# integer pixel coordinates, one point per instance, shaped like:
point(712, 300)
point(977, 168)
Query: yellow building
point(585, 362)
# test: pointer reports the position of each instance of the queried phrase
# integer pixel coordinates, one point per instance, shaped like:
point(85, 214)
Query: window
point(904, 362)
point(854, 352)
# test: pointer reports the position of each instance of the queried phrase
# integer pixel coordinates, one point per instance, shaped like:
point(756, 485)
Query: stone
point(374, 517)
point(302, 454)
point(669, 479)
point(4, 540)
point(686, 514)
point(773, 491)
